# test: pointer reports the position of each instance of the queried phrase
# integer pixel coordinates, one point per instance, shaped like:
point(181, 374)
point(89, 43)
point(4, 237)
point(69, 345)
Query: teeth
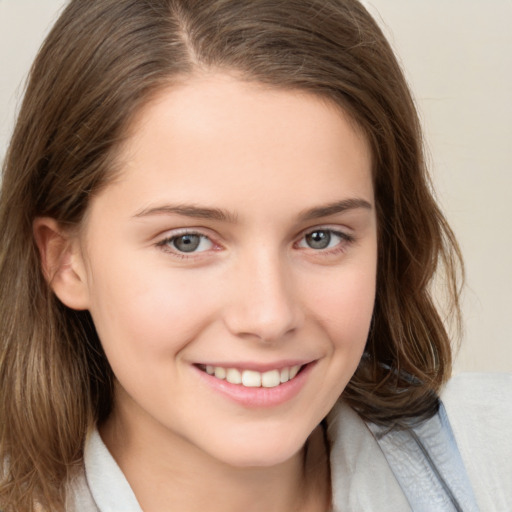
point(293, 371)
point(253, 379)
point(271, 379)
point(220, 372)
point(234, 376)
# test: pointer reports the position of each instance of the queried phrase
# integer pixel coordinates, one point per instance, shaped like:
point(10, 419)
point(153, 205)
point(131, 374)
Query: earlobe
point(61, 262)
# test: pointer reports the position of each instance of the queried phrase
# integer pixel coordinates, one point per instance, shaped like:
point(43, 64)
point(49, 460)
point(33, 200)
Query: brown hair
point(103, 60)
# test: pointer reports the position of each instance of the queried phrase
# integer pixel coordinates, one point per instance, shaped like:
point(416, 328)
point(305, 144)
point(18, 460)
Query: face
point(230, 269)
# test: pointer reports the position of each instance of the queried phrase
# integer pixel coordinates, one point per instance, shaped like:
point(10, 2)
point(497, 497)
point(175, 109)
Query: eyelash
point(345, 239)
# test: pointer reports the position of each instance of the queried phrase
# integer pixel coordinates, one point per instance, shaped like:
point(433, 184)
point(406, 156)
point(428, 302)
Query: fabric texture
point(479, 407)
point(426, 462)
point(467, 443)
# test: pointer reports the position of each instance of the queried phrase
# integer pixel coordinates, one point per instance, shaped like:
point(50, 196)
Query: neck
point(166, 471)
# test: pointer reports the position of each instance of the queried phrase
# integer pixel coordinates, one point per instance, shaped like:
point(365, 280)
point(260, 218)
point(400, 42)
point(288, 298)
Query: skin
point(254, 291)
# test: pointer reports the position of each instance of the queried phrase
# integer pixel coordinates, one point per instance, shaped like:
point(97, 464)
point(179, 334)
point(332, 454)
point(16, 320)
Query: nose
point(264, 304)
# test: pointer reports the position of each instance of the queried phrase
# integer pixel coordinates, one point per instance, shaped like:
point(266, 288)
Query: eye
point(187, 243)
point(321, 239)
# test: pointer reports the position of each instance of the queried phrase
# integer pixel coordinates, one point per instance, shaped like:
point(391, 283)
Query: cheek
point(344, 306)
point(148, 313)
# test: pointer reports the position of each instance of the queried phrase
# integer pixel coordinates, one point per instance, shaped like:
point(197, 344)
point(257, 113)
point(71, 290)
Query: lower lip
point(258, 397)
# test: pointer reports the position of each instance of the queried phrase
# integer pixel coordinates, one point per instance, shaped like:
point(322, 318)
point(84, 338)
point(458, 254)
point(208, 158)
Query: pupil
point(318, 239)
point(187, 243)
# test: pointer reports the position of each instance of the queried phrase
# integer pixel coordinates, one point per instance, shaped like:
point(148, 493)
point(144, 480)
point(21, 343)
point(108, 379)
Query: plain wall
point(458, 58)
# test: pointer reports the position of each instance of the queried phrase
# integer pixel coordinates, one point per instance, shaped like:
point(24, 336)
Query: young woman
point(218, 240)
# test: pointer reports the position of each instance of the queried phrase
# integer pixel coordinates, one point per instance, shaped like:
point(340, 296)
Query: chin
point(260, 450)
point(250, 459)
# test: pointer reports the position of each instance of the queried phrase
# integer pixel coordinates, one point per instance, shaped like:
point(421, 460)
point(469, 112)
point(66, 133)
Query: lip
point(257, 397)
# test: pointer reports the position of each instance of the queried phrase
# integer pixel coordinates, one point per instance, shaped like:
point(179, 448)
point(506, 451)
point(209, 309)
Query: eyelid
point(346, 238)
point(165, 243)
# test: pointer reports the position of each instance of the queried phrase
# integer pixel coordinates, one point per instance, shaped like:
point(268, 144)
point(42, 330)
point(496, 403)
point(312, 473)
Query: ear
point(62, 262)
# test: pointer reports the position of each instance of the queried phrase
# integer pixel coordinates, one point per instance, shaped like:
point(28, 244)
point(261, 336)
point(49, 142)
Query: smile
point(251, 378)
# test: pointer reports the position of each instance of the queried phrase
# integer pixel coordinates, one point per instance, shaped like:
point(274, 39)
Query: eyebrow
point(190, 210)
point(334, 208)
point(201, 212)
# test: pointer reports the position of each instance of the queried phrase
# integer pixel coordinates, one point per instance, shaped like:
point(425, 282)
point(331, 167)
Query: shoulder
point(487, 390)
point(482, 403)
point(466, 448)
point(479, 409)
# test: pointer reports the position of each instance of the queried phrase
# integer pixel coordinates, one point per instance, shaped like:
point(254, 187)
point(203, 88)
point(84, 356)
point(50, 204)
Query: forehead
point(215, 138)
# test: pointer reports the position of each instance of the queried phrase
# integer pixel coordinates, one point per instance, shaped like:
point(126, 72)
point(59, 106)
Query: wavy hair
point(100, 64)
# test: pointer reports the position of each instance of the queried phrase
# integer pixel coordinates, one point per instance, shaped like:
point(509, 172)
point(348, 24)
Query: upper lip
point(258, 367)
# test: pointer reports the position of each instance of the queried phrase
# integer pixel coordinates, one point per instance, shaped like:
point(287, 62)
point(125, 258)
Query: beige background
point(458, 58)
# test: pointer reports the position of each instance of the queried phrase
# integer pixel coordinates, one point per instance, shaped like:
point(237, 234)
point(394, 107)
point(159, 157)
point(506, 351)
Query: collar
point(353, 450)
point(372, 469)
point(107, 483)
